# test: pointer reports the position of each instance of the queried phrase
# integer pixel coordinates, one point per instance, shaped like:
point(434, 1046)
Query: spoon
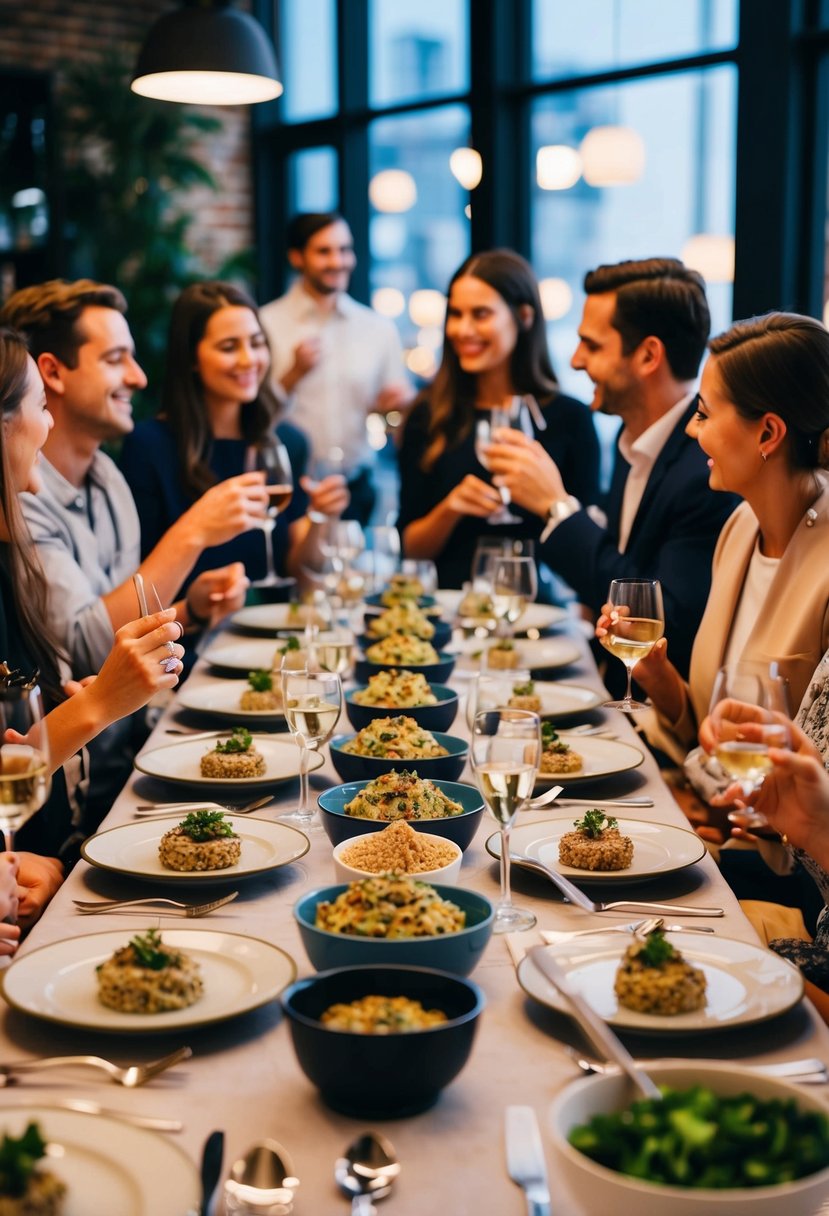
point(262, 1181)
point(367, 1171)
point(804, 1072)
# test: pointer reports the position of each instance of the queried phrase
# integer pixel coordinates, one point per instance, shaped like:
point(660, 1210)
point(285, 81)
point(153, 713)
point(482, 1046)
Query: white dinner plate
point(275, 618)
point(245, 654)
point(558, 700)
point(132, 849)
point(534, 616)
point(745, 983)
point(109, 1167)
point(658, 848)
point(180, 763)
point(537, 654)
point(220, 699)
point(58, 982)
point(600, 758)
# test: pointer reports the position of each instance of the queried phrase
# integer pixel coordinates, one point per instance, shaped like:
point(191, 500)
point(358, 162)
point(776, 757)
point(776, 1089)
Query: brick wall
point(39, 34)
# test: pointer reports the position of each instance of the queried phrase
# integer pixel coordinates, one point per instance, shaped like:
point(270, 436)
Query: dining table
point(244, 1078)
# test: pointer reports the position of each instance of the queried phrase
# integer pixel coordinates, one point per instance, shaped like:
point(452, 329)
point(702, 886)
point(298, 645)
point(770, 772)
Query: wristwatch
point(560, 509)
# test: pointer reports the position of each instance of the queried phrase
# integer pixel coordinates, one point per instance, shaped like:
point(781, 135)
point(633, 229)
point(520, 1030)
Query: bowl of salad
point(723, 1141)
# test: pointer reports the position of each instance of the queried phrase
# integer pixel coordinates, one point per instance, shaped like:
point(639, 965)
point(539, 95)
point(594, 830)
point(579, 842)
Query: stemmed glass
point(25, 772)
point(424, 570)
point(742, 740)
point(311, 701)
point(514, 585)
point(274, 459)
point(505, 752)
point(637, 622)
point(492, 690)
point(497, 416)
point(384, 551)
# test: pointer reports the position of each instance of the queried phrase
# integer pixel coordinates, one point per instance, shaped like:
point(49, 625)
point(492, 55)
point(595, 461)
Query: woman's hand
point(145, 658)
point(655, 674)
point(9, 933)
point(473, 497)
point(528, 472)
point(215, 593)
point(37, 881)
point(227, 509)
point(328, 497)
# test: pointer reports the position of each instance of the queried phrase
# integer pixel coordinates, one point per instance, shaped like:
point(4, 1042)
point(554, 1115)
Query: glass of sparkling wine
point(497, 417)
point(25, 771)
point(273, 458)
point(505, 753)
point(749, 713)
point(514, 585)
point(637, 622)
point(312, 701)
point(333, 650)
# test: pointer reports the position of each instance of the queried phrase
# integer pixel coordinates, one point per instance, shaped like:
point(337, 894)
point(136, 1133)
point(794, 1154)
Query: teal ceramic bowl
point(431, 717)
point(366, 768)
point(442, 634)
point(458, 953)
point(434, 673)
point(460, 828)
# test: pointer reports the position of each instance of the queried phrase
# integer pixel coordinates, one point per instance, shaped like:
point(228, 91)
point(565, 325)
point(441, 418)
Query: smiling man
point(641, 339)
point(334, 360)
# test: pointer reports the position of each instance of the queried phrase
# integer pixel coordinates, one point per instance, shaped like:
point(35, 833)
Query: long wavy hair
point(182, 398)
point(29, 587)
point(452, 393)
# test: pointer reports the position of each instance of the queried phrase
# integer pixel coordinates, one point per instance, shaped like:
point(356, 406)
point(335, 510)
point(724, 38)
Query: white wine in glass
point(333, 650)
point(311, 701)
point(636, 624)
point(25, 770)
point(497, 417)
point(514, 585)
point(505, 752)
point(274, 460)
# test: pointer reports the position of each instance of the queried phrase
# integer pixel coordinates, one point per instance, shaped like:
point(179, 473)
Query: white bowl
point(447, 875)
point(610, 1191)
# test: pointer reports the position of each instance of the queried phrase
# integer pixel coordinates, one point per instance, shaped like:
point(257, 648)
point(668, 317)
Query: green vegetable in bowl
point(695, 1138)
point(18, 1157)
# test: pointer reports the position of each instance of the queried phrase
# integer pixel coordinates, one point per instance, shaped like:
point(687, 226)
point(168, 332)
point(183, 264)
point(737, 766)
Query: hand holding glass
point(636, 624)
point(274, 460)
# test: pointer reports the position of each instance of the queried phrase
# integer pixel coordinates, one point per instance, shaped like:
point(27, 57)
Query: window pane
point(419, 48)
point(598, 35)
point(687, 125)
point(312, 180)
point(421, 247)
point(308, 41)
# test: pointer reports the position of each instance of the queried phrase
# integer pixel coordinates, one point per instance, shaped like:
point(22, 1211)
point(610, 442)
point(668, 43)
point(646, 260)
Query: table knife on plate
point(525, 1158)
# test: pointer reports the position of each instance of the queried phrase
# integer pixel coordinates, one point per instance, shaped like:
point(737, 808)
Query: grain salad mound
point(596, 844)
point(503, 656)
point(399, 738)
point(234, 759)
point(556, 755)
point(399, 848)
point(524, 696)
point(401, 649)
point(26, 1190)
point(204, 840)
point(653, 977)
point(404, 617)
point(390, 906)
point(382, 1015)
point(147, 977)
point(394, 689)
point(401, 795)
point(261, 695)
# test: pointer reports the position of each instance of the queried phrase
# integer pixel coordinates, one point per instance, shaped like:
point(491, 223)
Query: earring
point(764, 455)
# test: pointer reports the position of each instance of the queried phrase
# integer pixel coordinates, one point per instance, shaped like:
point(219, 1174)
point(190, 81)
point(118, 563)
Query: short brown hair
point(48, 314)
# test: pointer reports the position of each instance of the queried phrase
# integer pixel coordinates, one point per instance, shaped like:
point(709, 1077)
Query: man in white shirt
point(333, 360)
point(641, 339)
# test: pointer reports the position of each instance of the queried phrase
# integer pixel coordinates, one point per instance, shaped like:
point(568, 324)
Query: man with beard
point(334, 360)
point(641, 339)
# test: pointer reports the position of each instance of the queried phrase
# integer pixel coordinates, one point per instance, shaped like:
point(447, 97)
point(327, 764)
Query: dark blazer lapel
point(615, 493)
point(677, 444)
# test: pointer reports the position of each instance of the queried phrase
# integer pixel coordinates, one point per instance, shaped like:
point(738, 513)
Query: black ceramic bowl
point(442, 634)
point(430, 717)
point(352, 767)
point(460, 828)
point(388, 1076)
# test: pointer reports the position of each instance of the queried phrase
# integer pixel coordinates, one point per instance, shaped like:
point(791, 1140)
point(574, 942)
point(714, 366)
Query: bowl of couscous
point(399, 848)
point(398, 742)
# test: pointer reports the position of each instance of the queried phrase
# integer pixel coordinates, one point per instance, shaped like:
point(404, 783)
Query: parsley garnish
point(657, 950)
point(149, 952)
point(260, 680)
point(18, 1157)
point(594, 823)
point(550, 740)
point(239, 741)
point(206, 825)
point(292, 643)
point(525, 690)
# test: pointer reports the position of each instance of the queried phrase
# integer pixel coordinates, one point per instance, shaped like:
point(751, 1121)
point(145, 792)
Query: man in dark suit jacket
point(641, 339)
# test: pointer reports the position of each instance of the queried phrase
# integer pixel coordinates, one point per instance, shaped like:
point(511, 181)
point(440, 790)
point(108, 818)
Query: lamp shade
point(612, 156)
point(207, 53)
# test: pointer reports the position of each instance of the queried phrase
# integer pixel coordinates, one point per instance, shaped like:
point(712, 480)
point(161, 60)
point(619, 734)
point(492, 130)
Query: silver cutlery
point(552, 794)
point(804, 1072)
point(131, 1076)
point(261, 1181)
point(87, 1107)
point(367, 1172)
point(590, 1022)
point(576, 896)
point(90, 907)
point(525, 1158)
point(210, 1170)
point(640, 927)
point(171, 808)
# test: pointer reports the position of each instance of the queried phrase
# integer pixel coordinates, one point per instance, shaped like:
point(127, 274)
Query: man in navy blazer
point(642, 336)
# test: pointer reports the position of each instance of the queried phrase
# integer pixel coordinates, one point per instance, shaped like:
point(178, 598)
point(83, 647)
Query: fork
point(170, 808)
point(550, 795)
point(570, 891)
point(805, 1072)
point(132, 1076)
point(116, 905)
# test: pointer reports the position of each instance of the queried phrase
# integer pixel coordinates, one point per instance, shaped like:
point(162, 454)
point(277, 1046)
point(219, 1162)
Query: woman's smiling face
point(25, 432)
point(479, 326)
point(232, 358)
point(731, 442)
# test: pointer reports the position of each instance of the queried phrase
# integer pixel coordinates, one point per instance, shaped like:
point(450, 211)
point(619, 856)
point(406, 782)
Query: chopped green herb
point(292, 643)
point(18, 1157)
point(149, 951)
point(525, 690)
point(594, 823)
point(260, 680)
point(206, 825)
point(656, 950)
point(240, 741)
point(551, 741)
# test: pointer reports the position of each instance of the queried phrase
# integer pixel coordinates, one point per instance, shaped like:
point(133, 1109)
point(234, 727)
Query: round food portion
point(402, 648)
point(233, 758)
point(653, 977)
point(398, 848)
point(390, 906)
point(25, 1189)
point(399, 738)
point(556, 755)
point(393, 689)
point(145, 977)
point(178, 851)
point(403, 617)
point(608, 851)
point(382, 1015)
point(401, 795)
point(503, 656)
point(401, 587)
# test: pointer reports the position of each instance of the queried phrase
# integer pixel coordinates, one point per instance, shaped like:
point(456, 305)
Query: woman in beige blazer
point(762, 413)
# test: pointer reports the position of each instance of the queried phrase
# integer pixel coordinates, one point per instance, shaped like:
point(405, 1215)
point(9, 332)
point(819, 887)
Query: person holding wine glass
point(634, 626)
point(762, 417)
point(494, 351)
point(217, 405)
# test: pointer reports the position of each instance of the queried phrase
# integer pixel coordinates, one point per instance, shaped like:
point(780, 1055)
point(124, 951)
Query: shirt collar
point(306, 306)
point(68, 496)
point(651, 442)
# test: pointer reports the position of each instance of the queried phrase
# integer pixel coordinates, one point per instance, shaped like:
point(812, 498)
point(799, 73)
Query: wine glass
point(492, 690)
point(311, 701)
point(497, 416)
point(333, 650)
point(273, 458)
point(505, 752)
point(422, 569)
point(383, 542)
point(514, 585)
point(25, 772)
point(742, 739)
point(636, 624)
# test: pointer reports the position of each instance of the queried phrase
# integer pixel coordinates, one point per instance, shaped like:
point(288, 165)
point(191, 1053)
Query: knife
point(525, 1158)
point(211, 1168)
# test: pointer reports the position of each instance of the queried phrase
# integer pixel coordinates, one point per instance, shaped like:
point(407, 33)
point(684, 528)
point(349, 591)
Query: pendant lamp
point(207, 52)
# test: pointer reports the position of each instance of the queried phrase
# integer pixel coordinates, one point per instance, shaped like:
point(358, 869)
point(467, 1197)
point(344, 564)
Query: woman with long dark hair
point(216, 407)
point(495, 349)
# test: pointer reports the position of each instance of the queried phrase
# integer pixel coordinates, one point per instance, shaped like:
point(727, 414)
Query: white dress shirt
point(360, 356)
point(642, 455)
